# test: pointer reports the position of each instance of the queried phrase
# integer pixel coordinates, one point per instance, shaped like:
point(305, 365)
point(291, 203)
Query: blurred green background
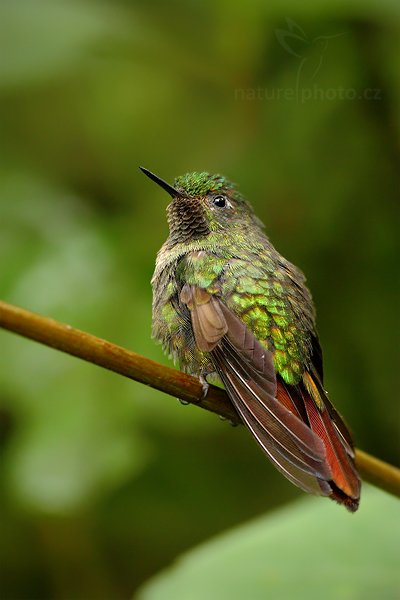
point(103, 481)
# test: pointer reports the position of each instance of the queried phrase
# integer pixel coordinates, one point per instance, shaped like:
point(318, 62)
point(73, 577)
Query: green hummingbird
point(226, 303)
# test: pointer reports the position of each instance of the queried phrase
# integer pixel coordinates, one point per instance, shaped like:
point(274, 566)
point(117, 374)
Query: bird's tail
point(310, 403)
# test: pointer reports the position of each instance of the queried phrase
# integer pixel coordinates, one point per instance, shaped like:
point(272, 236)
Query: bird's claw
point(205, 386)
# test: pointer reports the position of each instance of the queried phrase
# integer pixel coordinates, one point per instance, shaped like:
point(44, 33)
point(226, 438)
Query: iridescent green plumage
point(256, 282)
point(226, 302)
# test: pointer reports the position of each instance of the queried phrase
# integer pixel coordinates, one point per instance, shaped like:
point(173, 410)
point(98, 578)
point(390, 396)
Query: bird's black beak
point(165, 186)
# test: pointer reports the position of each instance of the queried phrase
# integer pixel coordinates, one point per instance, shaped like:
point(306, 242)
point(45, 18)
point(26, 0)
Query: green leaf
point(310, 549)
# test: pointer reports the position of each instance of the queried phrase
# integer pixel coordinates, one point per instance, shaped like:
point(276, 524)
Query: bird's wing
point(247, 370)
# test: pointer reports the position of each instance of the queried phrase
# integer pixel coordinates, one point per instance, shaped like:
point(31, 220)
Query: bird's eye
point(219, 201)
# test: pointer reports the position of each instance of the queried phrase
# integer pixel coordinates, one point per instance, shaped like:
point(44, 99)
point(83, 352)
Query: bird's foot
point(205, 385)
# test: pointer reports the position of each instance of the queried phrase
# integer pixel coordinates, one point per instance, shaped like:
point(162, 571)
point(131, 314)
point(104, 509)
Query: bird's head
point(203, 204)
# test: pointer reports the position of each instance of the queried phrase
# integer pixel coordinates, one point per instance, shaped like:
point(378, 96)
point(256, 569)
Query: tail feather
point(343, 472)
point(285, 397)
point(309, 401)
point(336, 418)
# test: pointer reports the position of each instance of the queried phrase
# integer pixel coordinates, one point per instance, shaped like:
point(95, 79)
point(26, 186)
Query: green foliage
point(305, 551)
point(103, 481)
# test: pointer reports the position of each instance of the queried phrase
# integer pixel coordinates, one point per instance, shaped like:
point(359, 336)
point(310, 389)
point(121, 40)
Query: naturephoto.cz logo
point(310, 54)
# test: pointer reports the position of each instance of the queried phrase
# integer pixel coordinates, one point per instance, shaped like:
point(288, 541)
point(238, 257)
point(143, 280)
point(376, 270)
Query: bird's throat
point(187, 220)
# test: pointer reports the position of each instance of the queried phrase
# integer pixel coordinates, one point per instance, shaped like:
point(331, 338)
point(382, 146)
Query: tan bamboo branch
point(175, 383)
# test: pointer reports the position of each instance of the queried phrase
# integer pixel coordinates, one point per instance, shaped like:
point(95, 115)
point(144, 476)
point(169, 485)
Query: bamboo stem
point(175, 383)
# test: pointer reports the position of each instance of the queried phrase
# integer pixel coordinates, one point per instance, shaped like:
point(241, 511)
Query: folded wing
point(247, 370)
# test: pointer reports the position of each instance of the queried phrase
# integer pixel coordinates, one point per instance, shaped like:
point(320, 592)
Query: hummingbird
point(226, 304)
